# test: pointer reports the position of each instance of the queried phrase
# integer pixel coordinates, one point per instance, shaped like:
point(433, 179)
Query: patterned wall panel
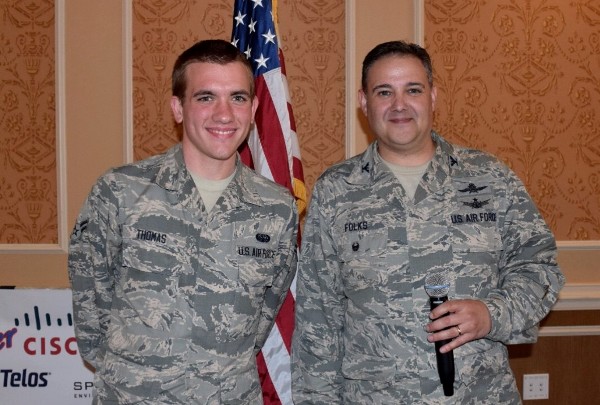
point(161, 31)
point(521, 79)
point(312, 35)
point(28, 187)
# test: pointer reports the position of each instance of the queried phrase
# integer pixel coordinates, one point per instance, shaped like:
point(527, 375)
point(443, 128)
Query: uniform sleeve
point(92, 248)
point(316, 345)
point(284, 273)
point(530, 278)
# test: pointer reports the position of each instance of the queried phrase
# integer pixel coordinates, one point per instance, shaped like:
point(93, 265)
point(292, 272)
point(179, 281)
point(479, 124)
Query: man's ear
point(433, 97)
point(177, 109)
point(254, 107)
point(362, 101)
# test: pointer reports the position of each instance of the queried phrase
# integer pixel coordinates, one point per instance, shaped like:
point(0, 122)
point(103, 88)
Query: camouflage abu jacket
point(361, 306)
point(172, 303)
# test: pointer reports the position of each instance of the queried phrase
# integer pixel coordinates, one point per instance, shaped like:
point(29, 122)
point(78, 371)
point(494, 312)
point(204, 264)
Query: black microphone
point(437, 287)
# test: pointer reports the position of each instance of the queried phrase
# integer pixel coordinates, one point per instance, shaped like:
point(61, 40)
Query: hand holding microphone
point(437, 287)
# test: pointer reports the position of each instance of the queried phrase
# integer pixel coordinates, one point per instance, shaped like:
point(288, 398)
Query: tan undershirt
point(409, 176)
point(211, 190)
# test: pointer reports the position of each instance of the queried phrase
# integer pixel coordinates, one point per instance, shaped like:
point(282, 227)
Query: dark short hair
point(396, 48)
point(208, 51)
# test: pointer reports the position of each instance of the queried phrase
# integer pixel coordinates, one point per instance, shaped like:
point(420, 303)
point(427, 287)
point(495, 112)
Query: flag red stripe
point(285, 321)
point(246, 155)
point(297, 168)
point(291, 115)
point(271, 136)
point(269, 392)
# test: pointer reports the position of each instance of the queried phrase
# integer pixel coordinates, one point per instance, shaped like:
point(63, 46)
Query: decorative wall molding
point(61, 136)
point(548, 331)
point(578, 244)
point(575, 297)
point(128, 81)
point(579, 297)
point(351, 88)
point(35, 248)
point(419, 35)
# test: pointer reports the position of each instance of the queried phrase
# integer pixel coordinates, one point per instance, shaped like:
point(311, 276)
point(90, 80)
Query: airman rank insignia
point(79, 228)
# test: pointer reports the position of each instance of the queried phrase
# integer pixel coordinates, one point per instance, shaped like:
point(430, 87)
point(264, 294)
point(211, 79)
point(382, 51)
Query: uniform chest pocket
point(255, 252)
point(363, 255)
point(476, 236)
point(149, 279)
point(474, 216)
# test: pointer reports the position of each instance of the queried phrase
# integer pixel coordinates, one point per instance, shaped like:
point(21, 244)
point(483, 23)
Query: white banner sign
point(39, 360)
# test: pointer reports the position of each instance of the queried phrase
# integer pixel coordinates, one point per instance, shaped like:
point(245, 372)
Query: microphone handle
point(445, 361)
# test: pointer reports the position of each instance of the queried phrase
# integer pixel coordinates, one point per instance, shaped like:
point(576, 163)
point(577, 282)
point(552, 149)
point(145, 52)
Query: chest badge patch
point(263, 237)
point(476, 203)
point(472, 188)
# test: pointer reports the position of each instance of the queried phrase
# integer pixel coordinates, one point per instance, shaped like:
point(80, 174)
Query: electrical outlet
point(535, 386)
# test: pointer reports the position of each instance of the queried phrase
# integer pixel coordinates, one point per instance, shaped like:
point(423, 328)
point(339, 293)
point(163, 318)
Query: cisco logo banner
point(39, 360)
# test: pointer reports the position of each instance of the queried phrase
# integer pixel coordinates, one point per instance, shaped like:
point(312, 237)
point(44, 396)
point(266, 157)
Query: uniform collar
point(371, 170)
point(437, 175)
point(368, 169)
point(174, 176)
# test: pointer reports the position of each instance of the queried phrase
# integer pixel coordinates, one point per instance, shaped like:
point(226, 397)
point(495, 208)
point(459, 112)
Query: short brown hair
point(396, 48)
point(209, 51)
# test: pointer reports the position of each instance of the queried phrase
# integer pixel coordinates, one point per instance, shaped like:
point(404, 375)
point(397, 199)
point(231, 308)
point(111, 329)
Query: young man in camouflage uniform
point(180, 262)
point(379, 223)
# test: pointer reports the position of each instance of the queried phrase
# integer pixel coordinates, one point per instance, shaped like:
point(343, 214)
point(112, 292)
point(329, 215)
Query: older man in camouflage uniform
point(412, 204)
point(179, 263)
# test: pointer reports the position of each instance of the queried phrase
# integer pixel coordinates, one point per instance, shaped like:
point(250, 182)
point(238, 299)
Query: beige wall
point(94, 132)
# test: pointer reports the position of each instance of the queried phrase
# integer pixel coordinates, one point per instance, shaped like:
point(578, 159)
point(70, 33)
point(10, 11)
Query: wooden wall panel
point(572, 365)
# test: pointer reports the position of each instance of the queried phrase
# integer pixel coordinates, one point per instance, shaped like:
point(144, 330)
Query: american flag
point(273, 151)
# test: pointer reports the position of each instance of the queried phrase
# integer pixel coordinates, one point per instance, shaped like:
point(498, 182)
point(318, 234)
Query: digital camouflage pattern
point(172, 303)
point(361, 306)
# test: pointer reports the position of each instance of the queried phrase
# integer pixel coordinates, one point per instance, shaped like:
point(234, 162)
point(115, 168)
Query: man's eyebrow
point(388, 86)
point(240, 92)
point(381, 86)
point(206, 92)
point(202, 92)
